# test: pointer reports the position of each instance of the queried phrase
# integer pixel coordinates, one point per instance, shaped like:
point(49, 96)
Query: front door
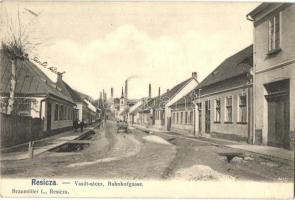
point(207, 116)
point(48, 116)
point(278, 121)
point(169, 123)
point(278, 103)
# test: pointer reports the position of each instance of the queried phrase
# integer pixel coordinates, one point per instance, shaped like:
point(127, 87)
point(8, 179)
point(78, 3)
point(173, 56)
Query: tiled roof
point(234, 66)
point(160, 101)
point(68, 91)
point(31, 81)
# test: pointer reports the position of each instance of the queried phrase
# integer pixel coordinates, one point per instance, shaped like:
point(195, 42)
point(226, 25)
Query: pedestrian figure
point(75, 125)
point(81, 125)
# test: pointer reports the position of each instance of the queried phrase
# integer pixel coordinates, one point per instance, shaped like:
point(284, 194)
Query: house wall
point(80, 111)
point(272, 68)
point(159, 119)
point(179, 126)
point(58, 124)
point(183, 92)
point(229, 130)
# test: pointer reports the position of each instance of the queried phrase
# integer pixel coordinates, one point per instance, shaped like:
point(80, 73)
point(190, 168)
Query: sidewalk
point(266, 151)
point(46, 144)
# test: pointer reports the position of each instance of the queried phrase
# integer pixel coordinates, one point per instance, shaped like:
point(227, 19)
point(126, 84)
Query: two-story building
point(274, 74)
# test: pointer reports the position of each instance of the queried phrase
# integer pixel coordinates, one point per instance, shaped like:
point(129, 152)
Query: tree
point(15, 44)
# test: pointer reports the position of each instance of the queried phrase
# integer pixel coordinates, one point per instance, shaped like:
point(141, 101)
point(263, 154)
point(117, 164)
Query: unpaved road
point(137, 155)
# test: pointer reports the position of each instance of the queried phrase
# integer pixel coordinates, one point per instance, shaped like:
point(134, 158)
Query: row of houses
point(56, 103)
point(249, 97)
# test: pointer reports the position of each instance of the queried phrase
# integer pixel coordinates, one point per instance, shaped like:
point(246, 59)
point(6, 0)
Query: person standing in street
point(81, 125)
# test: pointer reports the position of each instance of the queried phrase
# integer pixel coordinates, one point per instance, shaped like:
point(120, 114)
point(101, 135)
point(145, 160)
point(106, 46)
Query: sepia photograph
point(161, 99)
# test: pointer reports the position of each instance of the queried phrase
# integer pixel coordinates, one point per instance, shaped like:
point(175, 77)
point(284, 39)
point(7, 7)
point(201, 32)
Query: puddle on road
point(70, 148)
point(75, 147)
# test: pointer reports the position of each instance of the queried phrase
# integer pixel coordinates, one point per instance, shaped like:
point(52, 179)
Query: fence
point(19, 129)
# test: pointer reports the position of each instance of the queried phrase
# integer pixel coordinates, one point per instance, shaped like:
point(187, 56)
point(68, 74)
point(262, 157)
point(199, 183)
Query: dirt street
point(137, 155)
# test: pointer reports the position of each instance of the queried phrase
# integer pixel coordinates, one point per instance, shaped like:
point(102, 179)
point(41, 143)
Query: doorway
point(278, 105)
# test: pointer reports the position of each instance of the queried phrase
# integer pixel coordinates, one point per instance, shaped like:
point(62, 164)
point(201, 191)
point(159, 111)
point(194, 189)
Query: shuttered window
point(243, 108)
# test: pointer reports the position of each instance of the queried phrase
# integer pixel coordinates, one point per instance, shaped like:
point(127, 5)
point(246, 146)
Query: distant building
point(223, 100)
point(183, 115)
point(274, 74)
point(156, 112)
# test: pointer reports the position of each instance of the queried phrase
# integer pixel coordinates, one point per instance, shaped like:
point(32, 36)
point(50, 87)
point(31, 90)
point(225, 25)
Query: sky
point(101, 44)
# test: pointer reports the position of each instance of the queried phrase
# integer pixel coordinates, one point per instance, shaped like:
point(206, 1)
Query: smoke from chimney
point(150, 90)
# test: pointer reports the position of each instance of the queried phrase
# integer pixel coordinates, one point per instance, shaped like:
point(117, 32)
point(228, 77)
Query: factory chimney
point(150, 90)
point(159, 92)
point(126, 89)
point(122, 94)
point(112, 92)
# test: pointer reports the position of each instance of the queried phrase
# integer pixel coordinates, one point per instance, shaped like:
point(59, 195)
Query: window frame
point(56, 112)
point(274, 33)
point(215, 111)
point(239, 116)
point(226, 120)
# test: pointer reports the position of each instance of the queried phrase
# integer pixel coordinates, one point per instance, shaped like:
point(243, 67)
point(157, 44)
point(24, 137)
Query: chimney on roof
point(159, 91)
point(126, 89)
point(195, 75)
point(59, 77)
point(150, 90)
point(112, 92)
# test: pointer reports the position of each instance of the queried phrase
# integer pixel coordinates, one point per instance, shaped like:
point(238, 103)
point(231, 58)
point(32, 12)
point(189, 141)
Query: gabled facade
point(274, 74)
point(134, 111)
point(156, 112)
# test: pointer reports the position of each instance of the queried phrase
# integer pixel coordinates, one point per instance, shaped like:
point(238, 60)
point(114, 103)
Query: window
point(56, 112)
point(274, 33)
point(191, 117)
point(217, 111)
point(228, 108)
point(61, 111)
point(177, 118)
point(173, 118)
point(185, 118)
point(66, 113)
point(69, 110)
point(242, 109)
point(181, 117)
